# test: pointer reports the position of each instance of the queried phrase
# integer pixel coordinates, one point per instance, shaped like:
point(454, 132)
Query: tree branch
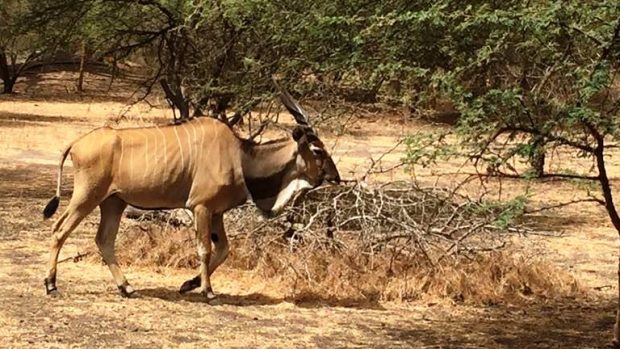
point(175, 99)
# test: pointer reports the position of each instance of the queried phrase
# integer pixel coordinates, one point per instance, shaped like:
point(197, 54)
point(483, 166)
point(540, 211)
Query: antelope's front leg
point(218, 256)
point(203, 232)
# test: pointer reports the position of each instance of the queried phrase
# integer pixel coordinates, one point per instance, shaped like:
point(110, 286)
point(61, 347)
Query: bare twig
point(78, 257)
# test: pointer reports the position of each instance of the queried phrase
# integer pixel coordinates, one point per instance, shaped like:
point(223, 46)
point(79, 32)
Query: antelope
point(201, 165)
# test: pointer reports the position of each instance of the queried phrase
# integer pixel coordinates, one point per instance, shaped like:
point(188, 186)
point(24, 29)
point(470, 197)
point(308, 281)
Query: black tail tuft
point(51, 207)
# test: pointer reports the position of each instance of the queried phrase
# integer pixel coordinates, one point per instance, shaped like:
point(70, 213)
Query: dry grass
point(303, 272)
point(496, 278)
point(369, 259)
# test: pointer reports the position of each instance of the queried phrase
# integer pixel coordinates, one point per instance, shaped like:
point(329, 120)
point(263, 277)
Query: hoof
point(127, 291)
point(210, 297)
point(215, 301)
point(50, 287)
point(190, 284)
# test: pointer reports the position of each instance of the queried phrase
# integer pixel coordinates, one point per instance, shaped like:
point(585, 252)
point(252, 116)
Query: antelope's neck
point(270, 174)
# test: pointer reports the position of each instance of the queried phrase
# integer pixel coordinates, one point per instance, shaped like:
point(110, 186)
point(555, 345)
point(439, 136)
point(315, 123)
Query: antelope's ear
point(298, 133)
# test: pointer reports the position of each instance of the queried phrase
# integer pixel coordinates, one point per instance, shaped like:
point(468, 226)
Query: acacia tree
point(221, 54)
point(29, 37)
point(18, 47)
point(217, 53)
point(535, 77)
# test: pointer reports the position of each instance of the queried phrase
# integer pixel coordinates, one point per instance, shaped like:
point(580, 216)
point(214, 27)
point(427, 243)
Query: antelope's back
point(169, 166)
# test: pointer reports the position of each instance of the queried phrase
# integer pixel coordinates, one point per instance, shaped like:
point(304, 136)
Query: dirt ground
point(38, 122)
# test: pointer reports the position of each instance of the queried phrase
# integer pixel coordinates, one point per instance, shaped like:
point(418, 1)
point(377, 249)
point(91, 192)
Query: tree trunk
point(616, 340)
point(537, 157)
point(175, 98)
point(80, 83)
point(9, 84)
point(611, 211)
point(5, 74)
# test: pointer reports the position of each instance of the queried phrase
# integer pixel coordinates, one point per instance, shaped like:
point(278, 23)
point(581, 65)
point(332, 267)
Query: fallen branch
point(78, 257)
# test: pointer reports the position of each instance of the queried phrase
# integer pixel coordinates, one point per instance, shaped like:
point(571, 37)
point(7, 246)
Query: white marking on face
point(314, 148)
point(174, 128)
point(300, 162)
point(286, 194)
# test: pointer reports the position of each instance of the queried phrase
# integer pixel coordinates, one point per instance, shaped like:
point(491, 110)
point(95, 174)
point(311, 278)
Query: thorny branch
point(429, 222)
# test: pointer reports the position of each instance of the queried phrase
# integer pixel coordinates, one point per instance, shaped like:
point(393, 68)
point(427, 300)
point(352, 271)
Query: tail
point(52, 205)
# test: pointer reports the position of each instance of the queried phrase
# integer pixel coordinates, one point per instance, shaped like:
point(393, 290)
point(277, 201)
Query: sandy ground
point(34, 127)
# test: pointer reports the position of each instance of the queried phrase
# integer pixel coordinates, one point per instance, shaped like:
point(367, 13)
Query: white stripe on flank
point(130, 176)
point(189, 145)
point(154, 155)
point(101, 164)
point(146, 155)
point(195, 138)
point(120, 163)
point(202, 138)
point(165, 151)
point(174, 128)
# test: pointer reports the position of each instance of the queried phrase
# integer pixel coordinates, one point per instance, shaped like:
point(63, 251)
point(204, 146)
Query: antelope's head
point(314, 162)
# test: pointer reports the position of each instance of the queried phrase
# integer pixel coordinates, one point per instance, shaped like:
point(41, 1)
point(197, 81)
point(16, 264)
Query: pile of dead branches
point(400, 216)
point(397, 241)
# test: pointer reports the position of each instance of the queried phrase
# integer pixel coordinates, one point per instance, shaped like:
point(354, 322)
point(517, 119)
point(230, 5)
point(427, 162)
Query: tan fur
point(164, 174)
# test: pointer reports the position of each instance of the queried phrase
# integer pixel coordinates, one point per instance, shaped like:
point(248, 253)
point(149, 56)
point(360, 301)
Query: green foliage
point(541, 67)
point(525, 77)
point(426, 149)
point(529, 76)
point(510, 211)
point(506, 211)
point(20, 44)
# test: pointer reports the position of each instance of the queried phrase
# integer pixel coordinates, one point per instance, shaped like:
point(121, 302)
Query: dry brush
point(396, 241)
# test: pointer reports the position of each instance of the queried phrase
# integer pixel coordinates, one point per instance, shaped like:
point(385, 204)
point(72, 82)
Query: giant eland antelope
point(200, 165)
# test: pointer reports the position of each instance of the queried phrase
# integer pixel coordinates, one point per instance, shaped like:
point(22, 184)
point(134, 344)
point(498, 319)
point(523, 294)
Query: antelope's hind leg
point(79, 207)
point(111, 212)
point(190, 284)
